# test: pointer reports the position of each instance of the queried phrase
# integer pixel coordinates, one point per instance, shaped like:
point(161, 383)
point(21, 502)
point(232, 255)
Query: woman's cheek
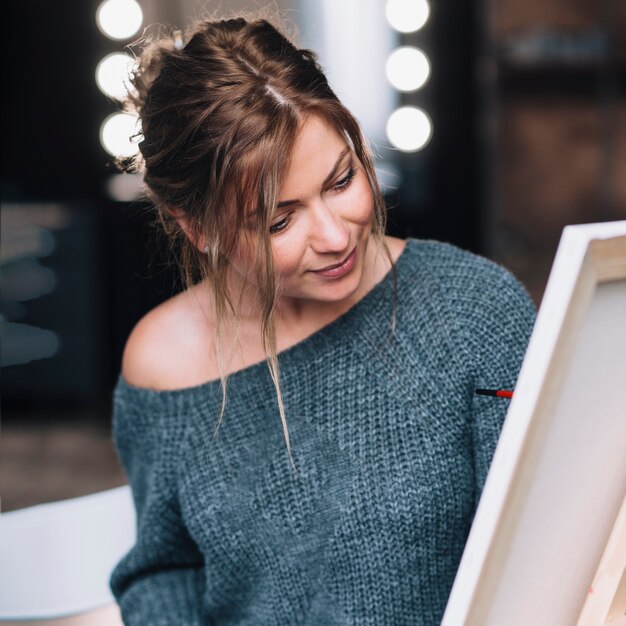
point(365, 202)
point(243, 258)
point(287, 255)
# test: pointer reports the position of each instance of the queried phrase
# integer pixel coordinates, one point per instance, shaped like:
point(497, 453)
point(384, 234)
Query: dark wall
point(93, 259)
point(51, 105)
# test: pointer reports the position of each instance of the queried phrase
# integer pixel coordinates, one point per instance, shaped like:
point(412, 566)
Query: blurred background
point(494, 123)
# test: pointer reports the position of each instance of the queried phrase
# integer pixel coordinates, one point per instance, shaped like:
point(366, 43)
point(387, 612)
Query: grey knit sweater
point(392, 446)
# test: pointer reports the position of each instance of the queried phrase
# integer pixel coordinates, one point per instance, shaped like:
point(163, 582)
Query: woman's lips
point(341, 269)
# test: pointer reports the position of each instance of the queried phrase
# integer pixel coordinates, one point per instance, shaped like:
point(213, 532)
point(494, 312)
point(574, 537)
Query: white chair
point(56, 559)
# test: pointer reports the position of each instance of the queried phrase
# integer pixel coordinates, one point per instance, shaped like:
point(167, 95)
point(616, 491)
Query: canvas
point(548, 542)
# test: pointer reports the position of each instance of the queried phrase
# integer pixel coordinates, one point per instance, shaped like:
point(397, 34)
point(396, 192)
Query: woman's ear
point(183, 221)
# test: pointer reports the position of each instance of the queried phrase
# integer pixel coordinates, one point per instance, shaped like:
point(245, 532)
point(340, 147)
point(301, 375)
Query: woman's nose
point(329, 230)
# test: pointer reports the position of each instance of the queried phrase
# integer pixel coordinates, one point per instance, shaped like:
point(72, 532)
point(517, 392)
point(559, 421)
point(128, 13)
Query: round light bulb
point(407, 16)
point(119, 19)
point(408, 68)
point(409, 129)
point(115, 134)
point(112, 74)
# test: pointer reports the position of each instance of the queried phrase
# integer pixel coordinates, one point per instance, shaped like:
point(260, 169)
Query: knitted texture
point(391, 443)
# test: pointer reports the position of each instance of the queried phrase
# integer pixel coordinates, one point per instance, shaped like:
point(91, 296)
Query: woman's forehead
point(317, 142)
point(318, 154)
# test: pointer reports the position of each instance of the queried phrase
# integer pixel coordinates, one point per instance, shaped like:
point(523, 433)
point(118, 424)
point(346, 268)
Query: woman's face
point(325, 212)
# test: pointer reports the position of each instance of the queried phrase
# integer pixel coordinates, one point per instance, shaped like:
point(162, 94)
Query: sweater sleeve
point(494, 316)
point(499, 331)
point(160, 580)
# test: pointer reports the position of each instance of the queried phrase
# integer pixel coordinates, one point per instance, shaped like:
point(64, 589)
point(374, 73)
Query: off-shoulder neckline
point(255, 372)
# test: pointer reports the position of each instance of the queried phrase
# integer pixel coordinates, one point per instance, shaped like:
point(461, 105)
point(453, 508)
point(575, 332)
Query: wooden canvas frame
point(548, 542)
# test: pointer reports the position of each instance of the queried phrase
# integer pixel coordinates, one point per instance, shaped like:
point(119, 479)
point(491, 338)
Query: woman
point(355, 507)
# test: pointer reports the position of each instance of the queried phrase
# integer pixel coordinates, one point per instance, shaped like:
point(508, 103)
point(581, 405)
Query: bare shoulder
point(167, 347)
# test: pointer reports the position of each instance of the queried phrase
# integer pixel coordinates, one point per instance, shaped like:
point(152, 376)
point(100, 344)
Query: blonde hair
point(220, 110)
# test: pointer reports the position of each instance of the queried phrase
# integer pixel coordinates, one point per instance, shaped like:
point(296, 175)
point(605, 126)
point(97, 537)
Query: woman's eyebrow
point(327, 180)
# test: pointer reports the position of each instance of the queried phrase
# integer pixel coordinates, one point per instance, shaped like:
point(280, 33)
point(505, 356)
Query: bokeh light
point(115, 134)
point(408, 68)
point(125, 187)
point(407, 16)
point(112, 74)
point(409, 129)
point(119, 19)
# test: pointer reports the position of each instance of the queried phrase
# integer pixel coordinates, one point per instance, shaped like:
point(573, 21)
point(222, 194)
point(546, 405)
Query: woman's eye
point(345, 182)
point(276, 228)
point(340, 185)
